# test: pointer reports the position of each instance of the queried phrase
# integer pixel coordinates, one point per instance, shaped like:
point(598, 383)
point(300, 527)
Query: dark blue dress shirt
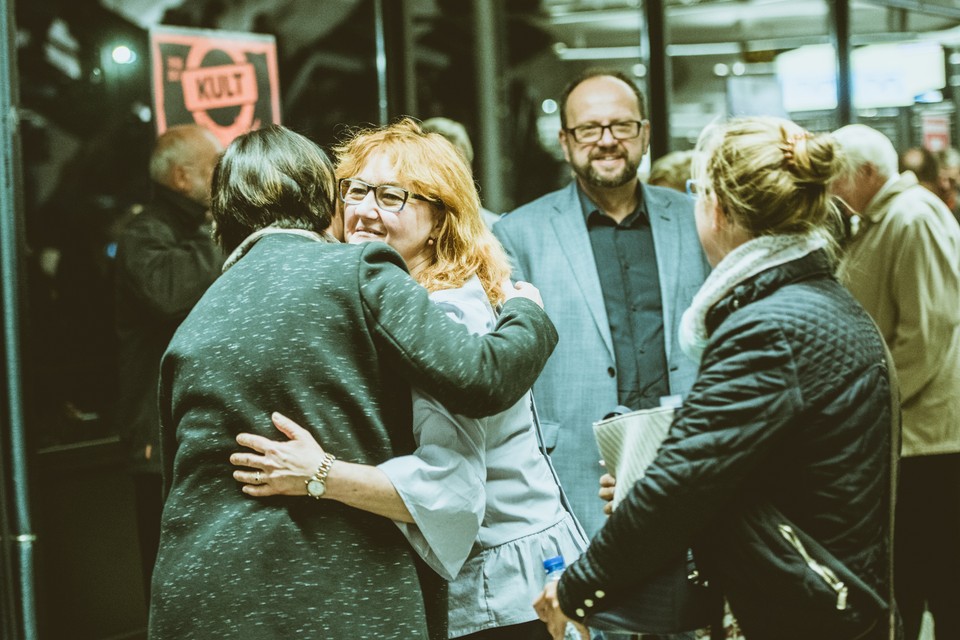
point(627, 265)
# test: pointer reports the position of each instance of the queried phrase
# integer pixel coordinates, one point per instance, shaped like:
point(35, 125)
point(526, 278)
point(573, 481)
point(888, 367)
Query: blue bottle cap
point(553, 564)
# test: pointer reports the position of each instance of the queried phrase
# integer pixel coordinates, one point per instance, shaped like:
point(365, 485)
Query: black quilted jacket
point(791, 406)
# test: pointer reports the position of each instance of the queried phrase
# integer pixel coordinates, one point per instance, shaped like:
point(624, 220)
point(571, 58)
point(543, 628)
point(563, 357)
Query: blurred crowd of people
point(938, 172)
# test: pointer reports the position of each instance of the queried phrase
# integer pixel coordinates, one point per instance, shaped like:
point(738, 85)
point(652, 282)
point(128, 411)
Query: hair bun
point(789, 148)
point(812, 159)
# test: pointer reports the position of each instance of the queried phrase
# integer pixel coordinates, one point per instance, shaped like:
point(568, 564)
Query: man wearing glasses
point(617, 263)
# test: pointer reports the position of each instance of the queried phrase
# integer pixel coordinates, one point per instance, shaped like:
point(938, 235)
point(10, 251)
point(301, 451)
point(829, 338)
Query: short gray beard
point(594, 179)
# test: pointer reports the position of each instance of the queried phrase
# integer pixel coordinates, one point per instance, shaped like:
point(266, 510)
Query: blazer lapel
point(666, 241)
point(571, 230)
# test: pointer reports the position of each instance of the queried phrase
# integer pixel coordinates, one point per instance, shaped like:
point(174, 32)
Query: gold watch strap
point(323, 470)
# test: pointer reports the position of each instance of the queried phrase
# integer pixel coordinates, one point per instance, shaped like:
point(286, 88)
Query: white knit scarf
point(744, 262)
point(252, 239)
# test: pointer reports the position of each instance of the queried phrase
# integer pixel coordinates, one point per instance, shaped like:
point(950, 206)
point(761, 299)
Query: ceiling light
point(122, 54)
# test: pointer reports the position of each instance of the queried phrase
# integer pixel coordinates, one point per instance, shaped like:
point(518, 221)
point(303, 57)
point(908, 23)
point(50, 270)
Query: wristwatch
point(317, 484)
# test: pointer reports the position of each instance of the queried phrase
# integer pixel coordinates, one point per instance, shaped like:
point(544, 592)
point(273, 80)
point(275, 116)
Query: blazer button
point(611, 372)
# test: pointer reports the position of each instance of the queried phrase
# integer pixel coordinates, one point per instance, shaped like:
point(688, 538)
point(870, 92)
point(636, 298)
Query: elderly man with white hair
point(903, 265)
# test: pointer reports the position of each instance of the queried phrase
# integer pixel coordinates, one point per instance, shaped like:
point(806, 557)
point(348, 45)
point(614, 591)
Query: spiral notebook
point(629, 442)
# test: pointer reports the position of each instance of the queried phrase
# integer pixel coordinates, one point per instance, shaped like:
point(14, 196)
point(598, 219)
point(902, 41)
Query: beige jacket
point(903, 265)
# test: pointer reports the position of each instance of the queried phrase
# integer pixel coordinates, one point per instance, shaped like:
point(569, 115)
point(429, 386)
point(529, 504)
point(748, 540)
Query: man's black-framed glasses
point(389, 197)
point(592, 132)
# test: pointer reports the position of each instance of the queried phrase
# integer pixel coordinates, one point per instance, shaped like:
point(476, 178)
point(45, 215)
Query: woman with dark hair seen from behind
point(478, 499)
point(334, 334)
point(791, 415)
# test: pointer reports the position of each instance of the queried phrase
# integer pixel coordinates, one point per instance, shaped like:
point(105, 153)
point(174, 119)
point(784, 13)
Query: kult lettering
point(215, 87)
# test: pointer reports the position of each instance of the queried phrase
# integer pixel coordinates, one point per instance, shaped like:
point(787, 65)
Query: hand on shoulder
point(521, 290)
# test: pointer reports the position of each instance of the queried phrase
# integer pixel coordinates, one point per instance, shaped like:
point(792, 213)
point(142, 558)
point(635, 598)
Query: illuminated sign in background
point(936, 131)
point(221, 80)
point(884, 75)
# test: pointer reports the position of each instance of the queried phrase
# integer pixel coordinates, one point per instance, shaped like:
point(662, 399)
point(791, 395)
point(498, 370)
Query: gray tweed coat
point(332, 335)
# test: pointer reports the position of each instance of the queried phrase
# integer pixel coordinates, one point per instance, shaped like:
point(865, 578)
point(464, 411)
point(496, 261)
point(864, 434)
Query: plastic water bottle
point(554, 569)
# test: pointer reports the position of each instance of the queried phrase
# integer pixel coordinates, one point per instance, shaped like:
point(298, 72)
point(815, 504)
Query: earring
point(430, 242)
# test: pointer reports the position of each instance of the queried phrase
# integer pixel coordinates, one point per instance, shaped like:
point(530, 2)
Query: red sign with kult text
point(224, 81)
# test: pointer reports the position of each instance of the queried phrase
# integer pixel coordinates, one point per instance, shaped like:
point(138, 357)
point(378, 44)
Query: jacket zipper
point(825, 573)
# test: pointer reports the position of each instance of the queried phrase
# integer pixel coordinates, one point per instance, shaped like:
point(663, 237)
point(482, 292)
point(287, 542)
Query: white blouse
point(487, 506)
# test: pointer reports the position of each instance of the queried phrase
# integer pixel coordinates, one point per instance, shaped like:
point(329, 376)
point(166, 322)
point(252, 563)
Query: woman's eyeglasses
point(388, 197)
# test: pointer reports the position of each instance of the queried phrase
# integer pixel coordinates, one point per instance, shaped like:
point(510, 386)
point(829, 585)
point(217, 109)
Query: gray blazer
point(548, 244)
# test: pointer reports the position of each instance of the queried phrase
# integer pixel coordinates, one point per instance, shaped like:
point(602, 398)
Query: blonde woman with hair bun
point(791, 409)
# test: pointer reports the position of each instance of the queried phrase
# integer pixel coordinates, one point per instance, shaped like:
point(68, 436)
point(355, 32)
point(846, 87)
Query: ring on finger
point(259, 478)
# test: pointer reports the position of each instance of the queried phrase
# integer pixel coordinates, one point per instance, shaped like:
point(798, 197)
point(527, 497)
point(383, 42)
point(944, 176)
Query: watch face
point(316, 488)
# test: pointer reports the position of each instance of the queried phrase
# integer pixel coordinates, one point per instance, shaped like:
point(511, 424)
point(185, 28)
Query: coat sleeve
point(472, 375)
point(450, 454)
point(926, 286)
point(746, 392)
point(166, 274)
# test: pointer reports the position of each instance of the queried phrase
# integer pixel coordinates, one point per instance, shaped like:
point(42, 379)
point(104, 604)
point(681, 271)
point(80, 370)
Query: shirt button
point(611, 371)
point(599, 593)
point(580, 613)
point(588, 602)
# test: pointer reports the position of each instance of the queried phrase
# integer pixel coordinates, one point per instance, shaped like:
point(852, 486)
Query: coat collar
point(816, 264)
point(192, 213)
point(879, 205)
point(570, 228)
point(244, 247)
point(590, 209)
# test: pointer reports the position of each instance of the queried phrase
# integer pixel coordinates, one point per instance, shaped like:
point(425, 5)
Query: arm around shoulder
point(472, 375)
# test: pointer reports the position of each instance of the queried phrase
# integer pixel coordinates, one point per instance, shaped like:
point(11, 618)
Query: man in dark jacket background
point(166, 259)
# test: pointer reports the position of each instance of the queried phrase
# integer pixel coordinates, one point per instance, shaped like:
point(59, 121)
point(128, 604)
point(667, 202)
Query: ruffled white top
point(487, 506)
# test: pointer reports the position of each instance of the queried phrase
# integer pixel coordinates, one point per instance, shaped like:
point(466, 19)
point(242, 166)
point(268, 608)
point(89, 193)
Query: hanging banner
point(224, 81)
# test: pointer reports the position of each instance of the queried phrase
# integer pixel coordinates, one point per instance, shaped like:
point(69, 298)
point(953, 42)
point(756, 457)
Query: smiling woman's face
point(407, 230)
